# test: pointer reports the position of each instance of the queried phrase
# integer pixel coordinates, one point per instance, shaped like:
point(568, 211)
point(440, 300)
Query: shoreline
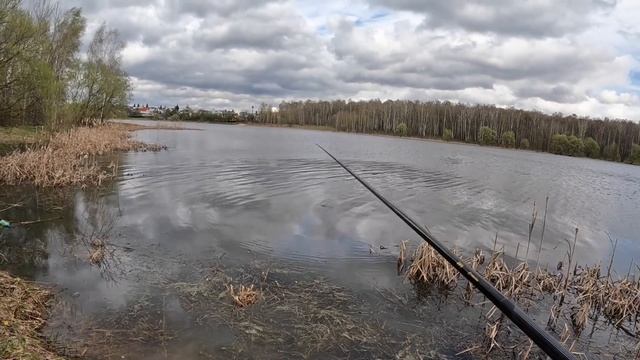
point(416, 138)
point(70, 157)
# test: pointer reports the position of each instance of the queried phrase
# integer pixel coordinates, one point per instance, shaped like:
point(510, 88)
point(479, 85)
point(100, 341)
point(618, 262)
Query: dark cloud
point(525, 18)
point(422, 60)
point(204, 8)
point(266, 28)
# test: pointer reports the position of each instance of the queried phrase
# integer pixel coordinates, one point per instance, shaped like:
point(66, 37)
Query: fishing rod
point(547, 342)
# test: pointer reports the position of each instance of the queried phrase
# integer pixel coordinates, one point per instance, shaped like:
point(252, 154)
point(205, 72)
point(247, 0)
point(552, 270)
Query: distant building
point(143, 111)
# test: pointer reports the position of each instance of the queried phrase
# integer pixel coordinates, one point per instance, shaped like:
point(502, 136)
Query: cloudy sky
point(572, 56)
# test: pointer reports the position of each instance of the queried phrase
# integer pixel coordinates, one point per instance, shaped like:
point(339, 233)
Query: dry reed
point(97, 255)
point(23, 308)
point(428, 267)
point(70, 158)
point(582, 294)
point(401, 263)
point(244, 296)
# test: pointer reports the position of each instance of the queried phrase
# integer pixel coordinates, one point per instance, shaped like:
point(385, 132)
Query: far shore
point(330, 129)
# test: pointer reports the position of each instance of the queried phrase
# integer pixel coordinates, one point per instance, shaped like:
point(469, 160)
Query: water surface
point(249, 199)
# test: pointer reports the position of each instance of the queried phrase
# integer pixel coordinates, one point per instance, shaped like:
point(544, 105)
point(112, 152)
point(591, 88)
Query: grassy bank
point(23, 310)
point(19, 138)
point(68, 157)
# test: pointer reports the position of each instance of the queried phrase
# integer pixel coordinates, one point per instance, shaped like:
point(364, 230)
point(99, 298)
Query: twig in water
point(613, 254)
point(36, 221)
point(544, 226)
point(534, 216)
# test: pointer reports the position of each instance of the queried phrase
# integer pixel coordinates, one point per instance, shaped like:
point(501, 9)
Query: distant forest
point(614, 140)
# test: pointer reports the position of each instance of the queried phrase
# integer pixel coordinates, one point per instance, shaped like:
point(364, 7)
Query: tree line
point(44, 80)
point(572, 135)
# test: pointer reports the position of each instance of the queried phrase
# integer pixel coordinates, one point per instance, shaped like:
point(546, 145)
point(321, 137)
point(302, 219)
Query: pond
point(241, 205)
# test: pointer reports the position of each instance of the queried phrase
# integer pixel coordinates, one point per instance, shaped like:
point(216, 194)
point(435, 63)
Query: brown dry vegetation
point(244, 296)
point(71, 157)
point(293, 318)
point(581, 294)
point(23, 308)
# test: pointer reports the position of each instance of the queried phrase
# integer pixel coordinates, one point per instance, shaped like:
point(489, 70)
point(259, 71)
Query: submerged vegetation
point(295, 317)
point(607, 139)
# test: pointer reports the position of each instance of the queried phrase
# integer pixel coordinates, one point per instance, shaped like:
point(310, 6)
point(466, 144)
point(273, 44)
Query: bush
point(487, 136)
point(524, 144)
point(447, 135)
point(559, 144)
point(591, 148)
point(508, 139)
point(611, 152)
point(576, 147)
point(634, 158)
point(401, 129)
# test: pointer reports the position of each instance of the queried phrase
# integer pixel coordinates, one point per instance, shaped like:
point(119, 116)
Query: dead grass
point(71, 157)
point(244, 296)
point(97, 255)
point(23, 309)
point(97, 251)
point(583, 293)
point(622, 301)
point(319, 318)
point(401, 263)
point(428, 267)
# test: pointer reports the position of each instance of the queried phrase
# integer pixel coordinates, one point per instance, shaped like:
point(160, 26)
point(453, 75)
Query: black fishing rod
point(547, 342)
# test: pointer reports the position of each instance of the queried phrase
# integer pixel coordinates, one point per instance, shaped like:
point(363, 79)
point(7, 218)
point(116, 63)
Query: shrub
point(611, 152)
point(591, 148)
point(508, 139)
point(576, 147)
point(487, 136)
point(524, 144)
point(634, 158)
point(401, 129)
point(447, 135)
point(559, 144)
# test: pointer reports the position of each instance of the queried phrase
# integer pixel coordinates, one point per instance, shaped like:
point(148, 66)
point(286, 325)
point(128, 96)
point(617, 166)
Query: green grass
point(12, 138)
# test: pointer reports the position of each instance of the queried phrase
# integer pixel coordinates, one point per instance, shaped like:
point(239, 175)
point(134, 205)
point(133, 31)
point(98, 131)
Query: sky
point(571, 56)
